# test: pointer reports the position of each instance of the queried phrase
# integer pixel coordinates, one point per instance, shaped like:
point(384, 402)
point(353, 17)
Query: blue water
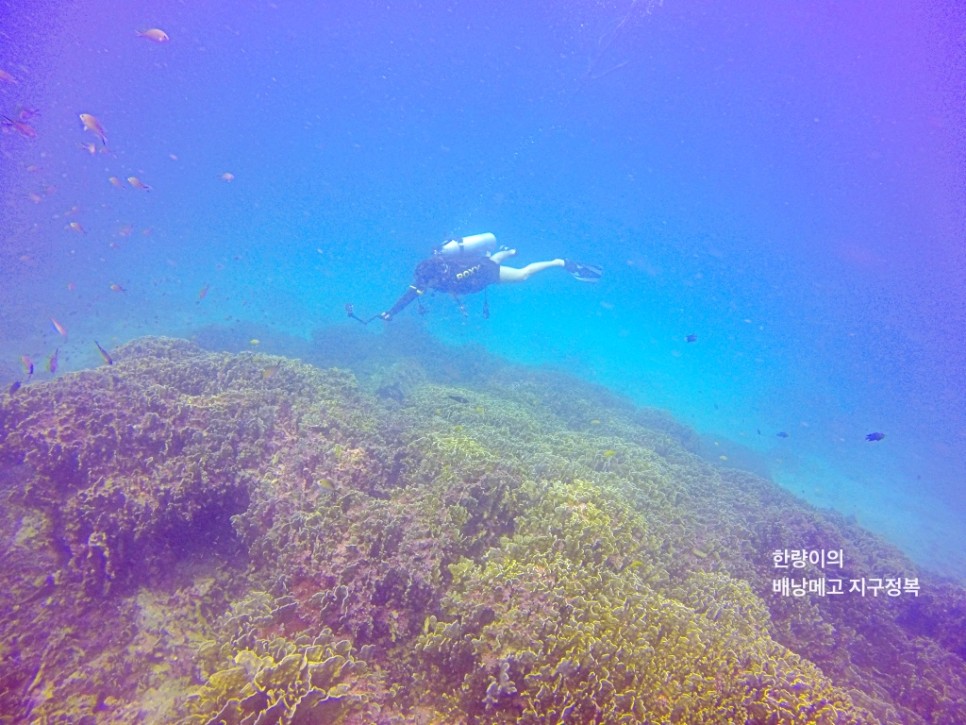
point(783, 180)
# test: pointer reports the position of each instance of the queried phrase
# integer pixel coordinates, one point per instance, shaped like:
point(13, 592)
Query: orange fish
point(137, 183)
point(115, 287)
point(227, 176)
point(94, 126)
point(35, 197)
point(126, 230)
point(7, 78)
point(155, 35)
point(203, 292)
point(71, 286)
point(61, 330)
point(116, 182)
point(76, 227)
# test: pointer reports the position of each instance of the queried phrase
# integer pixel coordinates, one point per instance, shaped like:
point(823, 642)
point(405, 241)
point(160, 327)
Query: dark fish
point(876, 436)
point(458, 398)
point(52, 362)
point(782, 434)
point(104, 354)
point(691, 338)
point(14, 387)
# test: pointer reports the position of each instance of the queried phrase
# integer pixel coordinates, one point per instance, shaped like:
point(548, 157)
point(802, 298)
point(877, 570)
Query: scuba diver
point(470, 264)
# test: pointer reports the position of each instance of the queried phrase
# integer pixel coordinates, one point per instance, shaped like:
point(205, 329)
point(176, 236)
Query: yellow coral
point(554, 623)
point(315, 680)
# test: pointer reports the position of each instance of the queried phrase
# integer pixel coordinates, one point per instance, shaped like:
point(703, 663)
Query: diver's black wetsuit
point(455, 276)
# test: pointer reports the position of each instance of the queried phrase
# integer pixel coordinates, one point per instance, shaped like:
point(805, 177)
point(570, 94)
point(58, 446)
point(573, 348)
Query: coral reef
point(212, 537)
point(558, 624)
point(248, 678)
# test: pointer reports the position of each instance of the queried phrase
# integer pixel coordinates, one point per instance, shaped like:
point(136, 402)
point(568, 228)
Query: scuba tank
point(477, 245)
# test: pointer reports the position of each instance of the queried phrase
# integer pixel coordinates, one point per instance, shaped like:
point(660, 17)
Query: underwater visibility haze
point(724, 482)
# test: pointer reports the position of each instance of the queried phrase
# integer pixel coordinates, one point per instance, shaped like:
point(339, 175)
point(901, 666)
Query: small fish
point(203, 292)
point(24, 129)
point(137, 183)
point(691, 337)
point(126, 230)
point(876, 436)
point(254, 342)
point(458, 398)
point(115, 287)
point(269, 372)
point(90, 147)
point(28, 365)
point(71, 286)
point(7, 78)
point(782, 434)
point(52, 361)
point(155, 35)
point(14, 387)
point(94, 126)
point(227, 176)
point(26, 113)
point(116, 182)
point(77, 227)
point(104, 354)
point(61, 330)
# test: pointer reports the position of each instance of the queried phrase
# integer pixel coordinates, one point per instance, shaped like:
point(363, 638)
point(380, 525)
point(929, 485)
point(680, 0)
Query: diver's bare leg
point(511, 274)
point(498, 257)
